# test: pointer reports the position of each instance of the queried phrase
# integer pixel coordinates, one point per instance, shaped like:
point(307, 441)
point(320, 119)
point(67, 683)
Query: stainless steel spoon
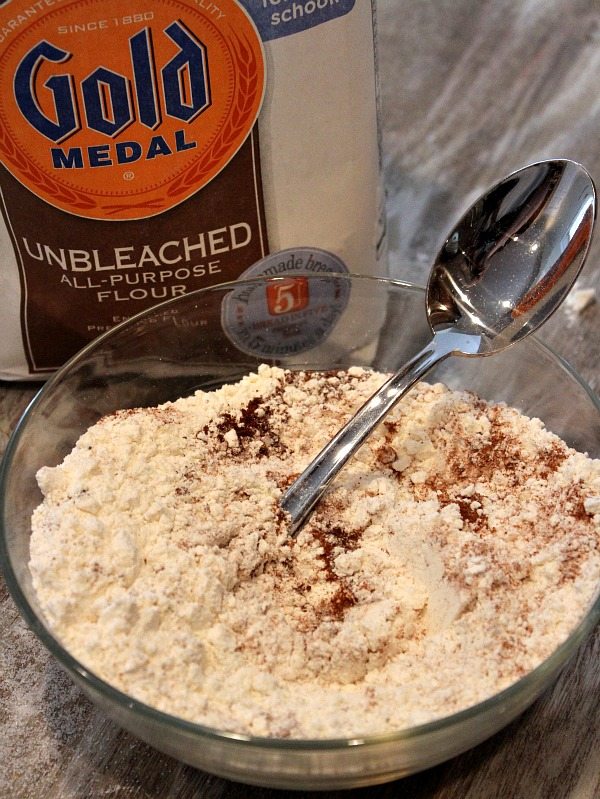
point(506, 266)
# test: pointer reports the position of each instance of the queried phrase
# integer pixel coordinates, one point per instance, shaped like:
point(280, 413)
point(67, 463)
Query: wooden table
point(470, 90)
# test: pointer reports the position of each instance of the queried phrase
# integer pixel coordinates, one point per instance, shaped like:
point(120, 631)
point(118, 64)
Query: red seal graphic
point(288, 296)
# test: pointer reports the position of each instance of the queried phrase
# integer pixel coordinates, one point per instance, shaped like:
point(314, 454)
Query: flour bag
point(152, 148)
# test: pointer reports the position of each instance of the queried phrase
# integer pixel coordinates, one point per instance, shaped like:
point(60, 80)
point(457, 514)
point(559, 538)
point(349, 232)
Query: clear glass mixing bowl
point(214, 336)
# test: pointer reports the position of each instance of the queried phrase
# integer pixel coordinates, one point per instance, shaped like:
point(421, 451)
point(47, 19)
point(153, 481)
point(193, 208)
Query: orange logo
point(111, 114)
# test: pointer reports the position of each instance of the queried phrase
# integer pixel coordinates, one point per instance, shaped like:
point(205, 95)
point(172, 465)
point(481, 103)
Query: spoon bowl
point(512, 258)
point(505, 268)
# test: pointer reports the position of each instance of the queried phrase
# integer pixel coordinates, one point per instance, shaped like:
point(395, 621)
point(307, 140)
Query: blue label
point(276, 18)
point(292, 315)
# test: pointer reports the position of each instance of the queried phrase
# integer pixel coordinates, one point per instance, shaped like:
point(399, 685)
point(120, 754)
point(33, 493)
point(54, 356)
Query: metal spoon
point(507, 265)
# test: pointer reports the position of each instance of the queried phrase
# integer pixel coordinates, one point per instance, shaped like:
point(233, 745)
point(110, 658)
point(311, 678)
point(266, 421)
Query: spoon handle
point(304, 493)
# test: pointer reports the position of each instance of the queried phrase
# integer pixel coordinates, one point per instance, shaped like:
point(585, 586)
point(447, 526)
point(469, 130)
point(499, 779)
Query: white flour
point(456, 551)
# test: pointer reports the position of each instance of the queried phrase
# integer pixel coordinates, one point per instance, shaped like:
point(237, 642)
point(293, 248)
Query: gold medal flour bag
point(153, 148)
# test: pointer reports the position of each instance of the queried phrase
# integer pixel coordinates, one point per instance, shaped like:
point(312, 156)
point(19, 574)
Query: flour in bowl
point(453, 554)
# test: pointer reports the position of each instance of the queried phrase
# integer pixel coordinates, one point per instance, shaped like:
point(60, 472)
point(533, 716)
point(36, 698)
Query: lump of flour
point(452, 555)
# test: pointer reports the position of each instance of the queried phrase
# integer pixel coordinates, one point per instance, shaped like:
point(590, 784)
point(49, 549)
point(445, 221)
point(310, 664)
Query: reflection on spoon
point(506, 266)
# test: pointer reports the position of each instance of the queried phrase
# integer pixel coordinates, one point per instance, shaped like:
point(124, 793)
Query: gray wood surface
point(470, 90)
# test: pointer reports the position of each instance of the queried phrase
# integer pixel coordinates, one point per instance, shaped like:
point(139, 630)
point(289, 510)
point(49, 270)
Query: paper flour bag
point(151, 149)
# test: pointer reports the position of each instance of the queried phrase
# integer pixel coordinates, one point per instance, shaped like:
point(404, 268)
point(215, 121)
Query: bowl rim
point(529, 684)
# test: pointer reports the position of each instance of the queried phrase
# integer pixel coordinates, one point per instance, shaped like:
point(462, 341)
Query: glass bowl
point(214, 336)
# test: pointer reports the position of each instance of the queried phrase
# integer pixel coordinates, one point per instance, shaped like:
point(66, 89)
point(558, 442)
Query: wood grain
point(470, 90)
